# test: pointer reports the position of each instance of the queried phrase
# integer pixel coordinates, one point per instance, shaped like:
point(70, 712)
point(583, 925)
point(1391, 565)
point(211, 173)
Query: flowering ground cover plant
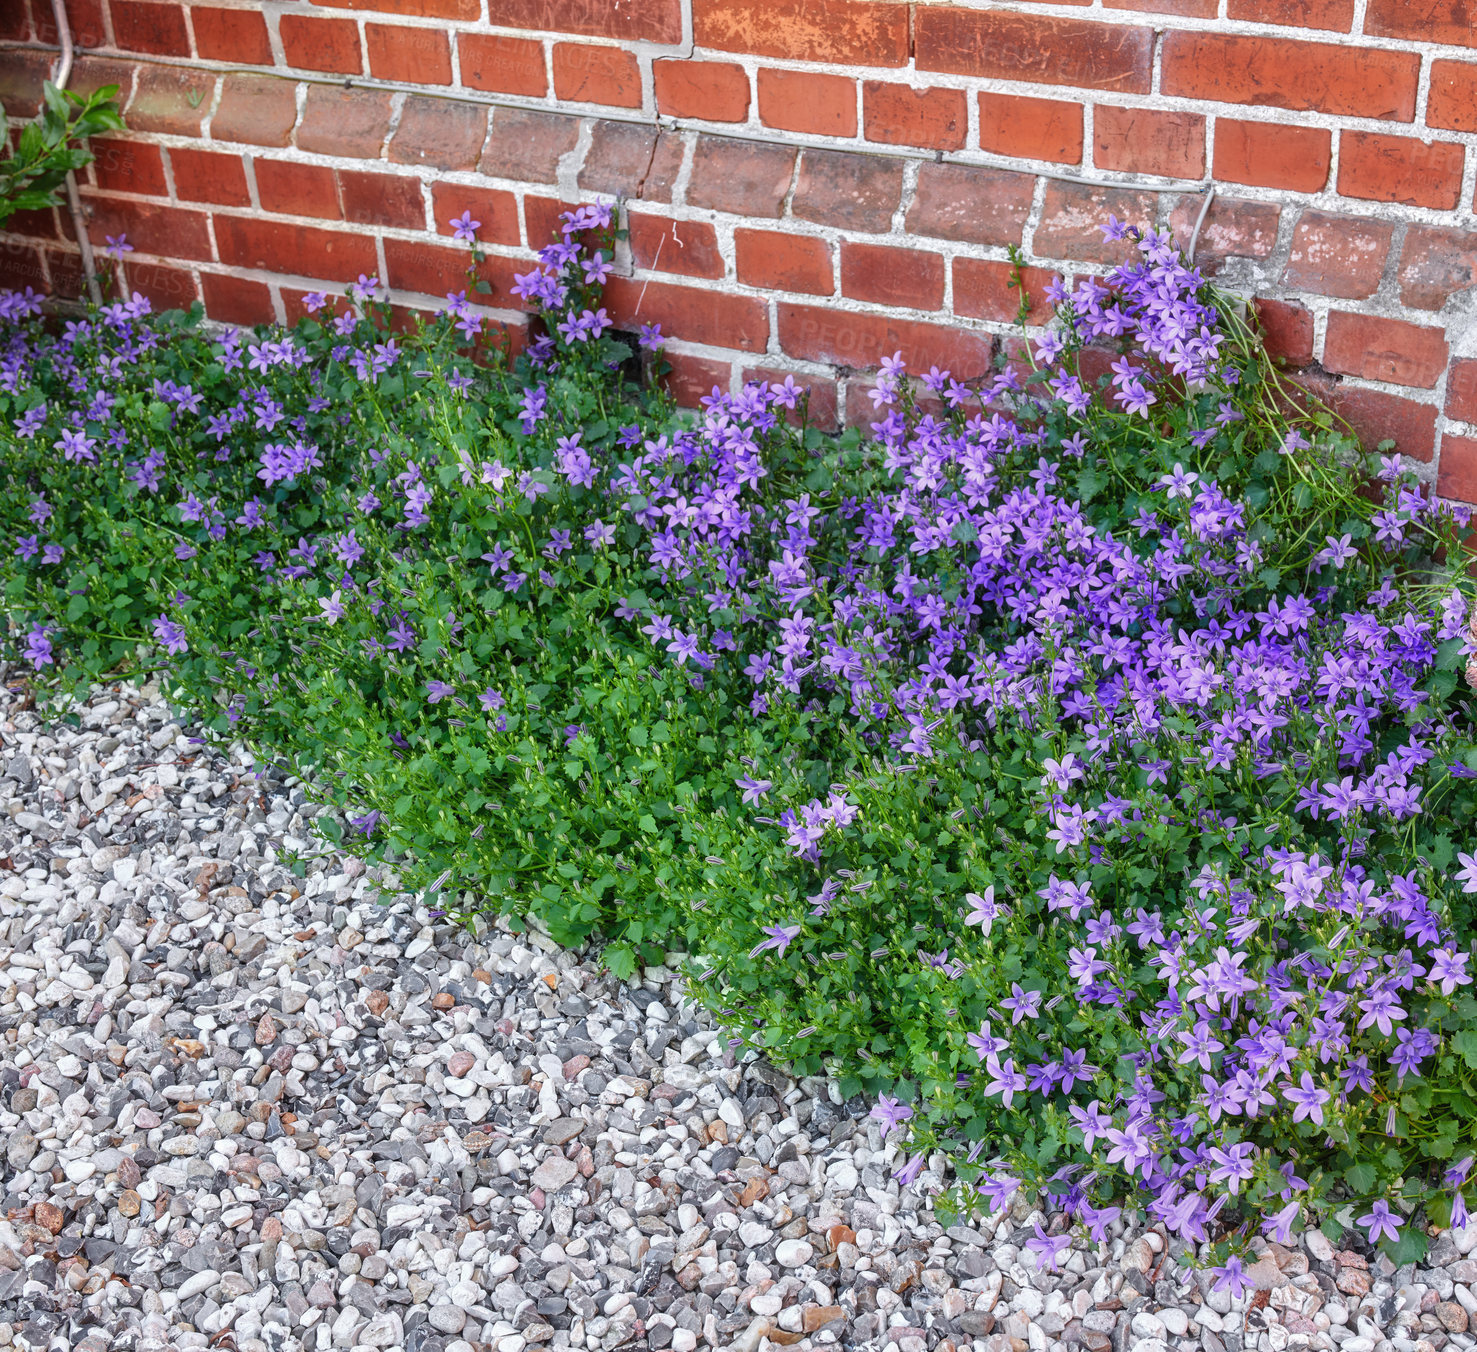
point(1079, 763)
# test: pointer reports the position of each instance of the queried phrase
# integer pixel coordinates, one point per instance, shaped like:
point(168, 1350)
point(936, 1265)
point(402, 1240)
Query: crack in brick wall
point(812, 184)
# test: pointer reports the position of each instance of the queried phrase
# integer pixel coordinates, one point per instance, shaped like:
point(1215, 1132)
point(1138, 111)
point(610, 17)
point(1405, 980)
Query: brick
point(503, 65)
point(777, 261)
point(439, 133)
point(1143, 141)
point(167, 288)
point(855, 192)
point(1389, 350)
point(1435, 265)
point(1031, 129)
point(351, 123)
point(1452, 102)
point(64, 268)
point(1232, 228)
point(90, 74)
point(716, 317)
point(168, 232)
point(1283, 73)
point(235, 35)
point(617, 20)
point(21, 266)
point(1456, 475)
point(40, 224)
point(816, 406)
point(860, 341)
point(527, 146)
point(1033, 48)
point(237, 300)
point(209, 176)
point(1400, 169)
point(691, 378)
point(1377, 416)
point(745, 178)
point(256, 110)
point(1271, 155)
point(128, 166)
point(541, 223)
point(314, 42)
point(459, 11)
point(983, 290)
point(158, 29)
point(1072, 213)
point(1194, 9)
point(408, 53)
point(807, 102)
point(1461, 390)
point(494, 207)
point(15, 26)
point(710, 91)
point(382, 199)
point(899, 115)
point(584, 73)
point(1337, 16)
point(883, 275)
point(85, 18)
point(1451, 22)
point(272, 246)
point(627, 160)
point(970, 205)
point(837, 32)
point(436, 269)
point(1287, 330)
point(287, 188)
point(689, 248)
point(428, 269)
point(1341, 256)
point(21, 77)
point(171, 100)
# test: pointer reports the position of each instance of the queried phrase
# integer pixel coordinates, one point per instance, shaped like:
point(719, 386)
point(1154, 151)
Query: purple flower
point(891, 1113)
point(780, 938)
point(754, 789)
point(1048, 1248)
point(38, 648)
point(436, 691)
point(1380, 1221)
point(463, 227)
point(1230, 1277)
point(170, 634)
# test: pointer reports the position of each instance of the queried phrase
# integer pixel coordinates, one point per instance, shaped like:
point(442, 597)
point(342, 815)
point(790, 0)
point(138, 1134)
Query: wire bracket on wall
point(1199, 221)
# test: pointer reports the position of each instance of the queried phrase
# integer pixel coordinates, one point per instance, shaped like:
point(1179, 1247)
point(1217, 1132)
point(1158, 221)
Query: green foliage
point(51, 146)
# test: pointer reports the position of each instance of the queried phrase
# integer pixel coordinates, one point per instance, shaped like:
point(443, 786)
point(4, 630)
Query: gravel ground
point(247, 1110)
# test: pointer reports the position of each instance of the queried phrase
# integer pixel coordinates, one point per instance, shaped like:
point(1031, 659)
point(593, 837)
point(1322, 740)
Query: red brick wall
point(811, 183)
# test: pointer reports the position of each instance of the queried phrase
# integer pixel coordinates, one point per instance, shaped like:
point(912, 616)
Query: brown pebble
point(443, 1000)
point(477, 1140)
point(1352, 1281)
point(574, 1065)
point(50, 1216)
point(1453, 1318)
point(838, 1235)
point(755, 1190)
point(461, 1063)
point(129, 1174)
point(271, 1229)
point(818, 1316)
point(378, 1002)
point(128, 1202)
point(483, 975)
point(266, 1031)
point(718, 1131)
